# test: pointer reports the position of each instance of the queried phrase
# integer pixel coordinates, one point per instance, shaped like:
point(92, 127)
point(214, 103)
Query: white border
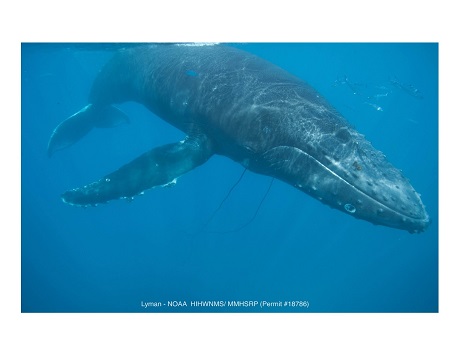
point(235, 21)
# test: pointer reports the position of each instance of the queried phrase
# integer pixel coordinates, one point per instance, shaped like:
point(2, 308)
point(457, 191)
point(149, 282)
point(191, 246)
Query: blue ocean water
point(160, 252)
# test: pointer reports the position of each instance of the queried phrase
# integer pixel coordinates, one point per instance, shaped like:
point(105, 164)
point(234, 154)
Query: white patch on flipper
point(170, 184)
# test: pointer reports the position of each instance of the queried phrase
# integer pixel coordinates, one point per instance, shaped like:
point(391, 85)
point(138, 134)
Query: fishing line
point(222, 202)
point(203, 229)
point(194, 235)
point(253, 216)
point(258, 208)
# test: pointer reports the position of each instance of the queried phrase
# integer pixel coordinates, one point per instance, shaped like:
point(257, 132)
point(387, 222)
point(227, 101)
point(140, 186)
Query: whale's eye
point(349, 208)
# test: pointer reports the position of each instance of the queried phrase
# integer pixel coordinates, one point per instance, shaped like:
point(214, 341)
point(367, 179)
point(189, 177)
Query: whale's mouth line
point(425, 219)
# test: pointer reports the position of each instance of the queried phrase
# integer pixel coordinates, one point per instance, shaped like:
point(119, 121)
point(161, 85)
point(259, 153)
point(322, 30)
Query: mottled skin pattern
point(273, 123)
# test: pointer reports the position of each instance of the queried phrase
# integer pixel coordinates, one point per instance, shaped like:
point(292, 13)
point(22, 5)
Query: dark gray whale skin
point(232, 103)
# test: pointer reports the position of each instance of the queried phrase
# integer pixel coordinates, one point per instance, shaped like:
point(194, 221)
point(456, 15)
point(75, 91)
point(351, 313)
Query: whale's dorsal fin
point(160, 166)
point(72, 129)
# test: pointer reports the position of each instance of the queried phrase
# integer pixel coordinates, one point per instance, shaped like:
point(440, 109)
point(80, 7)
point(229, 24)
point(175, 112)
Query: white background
point(235, 21)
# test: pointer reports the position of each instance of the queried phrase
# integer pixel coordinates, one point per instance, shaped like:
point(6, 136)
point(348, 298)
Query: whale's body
point(232, 103)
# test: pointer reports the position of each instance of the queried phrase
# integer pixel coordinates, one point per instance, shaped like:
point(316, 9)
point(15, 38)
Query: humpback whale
point(232, 103)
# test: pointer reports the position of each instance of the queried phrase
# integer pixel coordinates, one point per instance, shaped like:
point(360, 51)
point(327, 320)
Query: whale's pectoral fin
point(79, 124)
point(158, 167)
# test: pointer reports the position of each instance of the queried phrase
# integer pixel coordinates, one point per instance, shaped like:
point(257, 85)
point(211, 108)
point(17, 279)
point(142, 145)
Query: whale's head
point(344, 171)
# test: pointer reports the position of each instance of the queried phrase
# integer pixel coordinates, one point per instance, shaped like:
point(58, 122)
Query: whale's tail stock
point(75, 127)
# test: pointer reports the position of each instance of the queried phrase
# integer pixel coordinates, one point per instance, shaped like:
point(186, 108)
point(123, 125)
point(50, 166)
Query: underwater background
point(165, 249)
